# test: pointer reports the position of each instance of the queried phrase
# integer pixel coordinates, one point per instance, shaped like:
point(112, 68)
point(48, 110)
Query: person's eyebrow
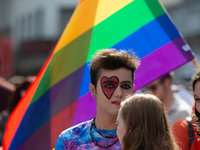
point(195, 95)
point(126, 82)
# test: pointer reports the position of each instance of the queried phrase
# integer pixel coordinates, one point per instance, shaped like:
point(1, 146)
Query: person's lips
point(116, 103)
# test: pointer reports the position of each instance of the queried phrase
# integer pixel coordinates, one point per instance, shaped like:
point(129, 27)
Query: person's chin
point(114, 112)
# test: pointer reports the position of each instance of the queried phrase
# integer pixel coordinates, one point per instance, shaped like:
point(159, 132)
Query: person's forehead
point(121, 73)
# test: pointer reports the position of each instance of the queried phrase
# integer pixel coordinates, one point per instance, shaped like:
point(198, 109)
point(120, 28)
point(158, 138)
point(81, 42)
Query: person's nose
point(118, 92)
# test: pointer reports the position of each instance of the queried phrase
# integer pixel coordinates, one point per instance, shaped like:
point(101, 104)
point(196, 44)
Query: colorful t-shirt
point(78, 137)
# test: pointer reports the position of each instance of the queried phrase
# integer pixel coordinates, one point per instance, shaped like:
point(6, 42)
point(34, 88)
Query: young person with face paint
point(143, 124)
point(112, 76)
point(187, 132)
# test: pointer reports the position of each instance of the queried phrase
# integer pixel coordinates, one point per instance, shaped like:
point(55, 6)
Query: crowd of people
point(163, 117)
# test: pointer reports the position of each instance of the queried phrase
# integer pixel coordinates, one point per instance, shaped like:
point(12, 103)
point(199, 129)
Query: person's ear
point(92, 90)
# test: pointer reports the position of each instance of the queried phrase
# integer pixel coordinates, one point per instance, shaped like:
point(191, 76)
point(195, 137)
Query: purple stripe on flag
point(85, 110)
point(184, 48)
point(160, 62)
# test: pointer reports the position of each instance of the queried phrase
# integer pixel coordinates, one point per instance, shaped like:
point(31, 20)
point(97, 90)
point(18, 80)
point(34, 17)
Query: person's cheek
point(198, 105)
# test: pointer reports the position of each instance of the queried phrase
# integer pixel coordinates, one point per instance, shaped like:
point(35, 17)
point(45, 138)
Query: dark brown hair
point(169, 75)
point(146, 123)
point(195, 78)
point(111, 59)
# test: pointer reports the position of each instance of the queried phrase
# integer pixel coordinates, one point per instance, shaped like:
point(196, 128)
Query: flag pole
point(196, 65)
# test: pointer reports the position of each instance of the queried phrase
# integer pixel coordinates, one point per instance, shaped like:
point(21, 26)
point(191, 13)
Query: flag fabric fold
point(60, 97)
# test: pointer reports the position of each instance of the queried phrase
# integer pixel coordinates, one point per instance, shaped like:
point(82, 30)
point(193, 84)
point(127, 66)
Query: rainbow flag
point(60, 97)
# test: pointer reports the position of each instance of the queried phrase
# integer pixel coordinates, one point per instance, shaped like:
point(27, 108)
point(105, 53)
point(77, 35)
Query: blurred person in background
point(187, 131)
point(175, 106)
point(13, 101)
point(17, 80)
point(6, 89)
point(143, 124)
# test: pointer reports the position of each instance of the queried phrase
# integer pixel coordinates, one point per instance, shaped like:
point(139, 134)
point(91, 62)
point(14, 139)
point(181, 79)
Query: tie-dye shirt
point(78, 137)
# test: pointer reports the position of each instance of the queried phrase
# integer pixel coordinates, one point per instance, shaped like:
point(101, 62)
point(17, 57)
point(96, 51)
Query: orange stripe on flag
point(81, 21)
point(18, 113)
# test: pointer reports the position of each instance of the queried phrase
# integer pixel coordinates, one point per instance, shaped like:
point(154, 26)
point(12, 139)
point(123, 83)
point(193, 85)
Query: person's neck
point(168, 100)
point(106, 122)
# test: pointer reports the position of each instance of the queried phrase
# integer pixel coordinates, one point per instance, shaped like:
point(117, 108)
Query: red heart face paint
point(109, 85)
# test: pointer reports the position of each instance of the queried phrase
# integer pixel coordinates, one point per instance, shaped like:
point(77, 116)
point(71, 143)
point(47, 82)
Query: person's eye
point(196, 99)
point(125, 86)
point(109, 86)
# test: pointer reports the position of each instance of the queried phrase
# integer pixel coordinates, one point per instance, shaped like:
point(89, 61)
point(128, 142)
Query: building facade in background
point(35, 27)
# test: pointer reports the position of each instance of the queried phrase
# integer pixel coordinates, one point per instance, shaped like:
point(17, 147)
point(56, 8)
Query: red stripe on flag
point(18, 113)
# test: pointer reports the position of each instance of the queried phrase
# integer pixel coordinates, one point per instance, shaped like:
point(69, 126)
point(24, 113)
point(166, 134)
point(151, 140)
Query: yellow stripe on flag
point(108, 7)
point(81, 21)
point(84, 19)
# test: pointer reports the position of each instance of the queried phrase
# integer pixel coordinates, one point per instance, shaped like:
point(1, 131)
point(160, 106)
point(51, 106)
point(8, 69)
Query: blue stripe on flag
point(150, 37)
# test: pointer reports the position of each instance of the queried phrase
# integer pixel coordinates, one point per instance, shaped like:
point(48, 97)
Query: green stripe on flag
point(122, 24)
point(64, 62)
